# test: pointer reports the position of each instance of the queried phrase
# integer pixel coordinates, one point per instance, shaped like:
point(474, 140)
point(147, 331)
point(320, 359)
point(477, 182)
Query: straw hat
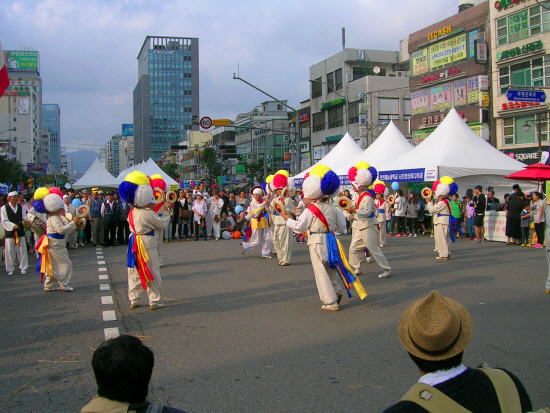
point(435, 328)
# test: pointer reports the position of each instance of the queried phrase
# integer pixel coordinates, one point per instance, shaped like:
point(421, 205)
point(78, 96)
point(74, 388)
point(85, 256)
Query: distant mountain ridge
point(83, 159)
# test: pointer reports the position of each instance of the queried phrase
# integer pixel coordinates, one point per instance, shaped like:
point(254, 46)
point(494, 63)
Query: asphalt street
point(242, 334)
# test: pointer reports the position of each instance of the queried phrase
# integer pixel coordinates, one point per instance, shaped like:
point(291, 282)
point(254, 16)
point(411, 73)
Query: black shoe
point(196, 239)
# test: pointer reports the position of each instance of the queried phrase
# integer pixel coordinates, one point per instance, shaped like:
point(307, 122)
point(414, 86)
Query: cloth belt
point(382, 211)
point(453, 222)
point(317, 233)
point(56, 236)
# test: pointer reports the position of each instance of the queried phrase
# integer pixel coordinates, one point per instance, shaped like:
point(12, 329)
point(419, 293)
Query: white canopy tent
point(346, 149)
point(454, 149)
point(390, 145)
point(96, 177)
point(149, 168)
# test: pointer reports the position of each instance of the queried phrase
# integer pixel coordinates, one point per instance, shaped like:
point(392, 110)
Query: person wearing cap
point(435, 332)
point(15, 246)
point(95, 217)
point(199, 209)
point(70, 209)
point(480, 203)
point(109, 215)
point(258, 224)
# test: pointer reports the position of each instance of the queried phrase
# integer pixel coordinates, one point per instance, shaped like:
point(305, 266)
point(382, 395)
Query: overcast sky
point(88, 49)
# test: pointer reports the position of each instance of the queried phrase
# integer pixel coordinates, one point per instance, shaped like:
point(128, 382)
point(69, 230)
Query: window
point(407, 110)
point(338, 78)
point(358, 73)
point(336, 117)
point(316, 88)
point(330, 82)
point(526, 23)
point(318, 121)
point(279, 106)
point(535, 72)
point(388, 108)
point(353, 112)
point(514, 133)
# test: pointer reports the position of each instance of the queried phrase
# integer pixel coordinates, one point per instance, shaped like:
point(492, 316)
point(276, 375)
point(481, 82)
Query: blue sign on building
point(127, 129)
point(535, 96)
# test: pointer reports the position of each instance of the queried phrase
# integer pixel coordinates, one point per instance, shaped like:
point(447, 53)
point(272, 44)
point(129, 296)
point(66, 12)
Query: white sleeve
point(6, 223)
point(340, 221)
point(302, 223)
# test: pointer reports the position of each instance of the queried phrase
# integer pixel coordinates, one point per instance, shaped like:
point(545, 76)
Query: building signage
point(304, 117)
point(260, 131)
point(319, 152)
point(459, 92)
point(304, 146)
point(517, 51)
point(333, 103)
point(127, 129)
point(504, 3)
point(472, 37)
point(447, 52)
point(221, 122)
point(528, 156)
point(518, 105)
point(22, 60)
point(334, 138)
point(440, 97)
point(419, 61)
point(419, 101)
point(526, 96)
point(406, 175)
point(481, 50)
point(164, 51)
point(439, 33)
point(433, 120)
point(475, 85)
point(443, 75)
point(37, 168)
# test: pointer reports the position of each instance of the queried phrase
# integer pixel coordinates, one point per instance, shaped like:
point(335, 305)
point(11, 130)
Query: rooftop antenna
point(343, 38)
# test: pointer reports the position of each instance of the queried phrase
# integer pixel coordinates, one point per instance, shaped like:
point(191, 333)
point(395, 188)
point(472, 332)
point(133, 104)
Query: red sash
point(317, 212)
point(446, 202)
point(361, 198)
point(379, 204)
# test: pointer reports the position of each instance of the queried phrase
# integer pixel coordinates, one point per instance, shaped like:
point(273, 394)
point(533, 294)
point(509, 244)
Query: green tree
point(171, 169)
point(11, 172)
point(255, 171)
point(208, 161)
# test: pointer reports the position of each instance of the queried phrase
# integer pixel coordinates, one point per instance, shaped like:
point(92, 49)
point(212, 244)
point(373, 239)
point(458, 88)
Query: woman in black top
point(513, 218)
point(180, 204)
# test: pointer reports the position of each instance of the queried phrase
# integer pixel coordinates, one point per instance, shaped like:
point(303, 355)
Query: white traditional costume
point(282, 235)
point(215, 211)
point(142, 260)
point(383, 208)
point(259, 226)
point(367, 233)
point(160, 185)
point(15, 247)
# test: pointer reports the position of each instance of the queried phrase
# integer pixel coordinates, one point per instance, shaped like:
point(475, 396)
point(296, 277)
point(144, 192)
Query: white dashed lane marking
point(103, 277)
point(106, 299)
point(111, 333)
point(104, 287)
point(109, 315)
point(101, 263)
point(102, 269)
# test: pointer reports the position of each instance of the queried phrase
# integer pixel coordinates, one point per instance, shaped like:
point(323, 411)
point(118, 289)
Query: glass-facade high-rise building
point(166, 96)
point(51, 121)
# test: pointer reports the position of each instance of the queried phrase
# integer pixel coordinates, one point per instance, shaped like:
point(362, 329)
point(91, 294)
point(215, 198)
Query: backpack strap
point(432, 400)
point(507, 392)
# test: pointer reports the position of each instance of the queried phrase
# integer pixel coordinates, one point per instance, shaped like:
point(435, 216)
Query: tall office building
point(166, 96)
point(51, 121)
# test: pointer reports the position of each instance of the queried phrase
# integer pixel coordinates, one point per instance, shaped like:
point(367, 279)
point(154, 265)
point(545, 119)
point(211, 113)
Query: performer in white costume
point(282, 234)
point(15, 247)
point(259, 226)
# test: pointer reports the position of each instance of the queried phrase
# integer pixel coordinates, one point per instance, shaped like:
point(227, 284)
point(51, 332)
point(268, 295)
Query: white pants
point(282, 241)
point(62, 267)
point(442, 240)
point(71, 239)
point(209, 220)
point(366, 238)
point(260, 236)
point(153, 287)
point(325, 278)
point(159, 235)
point(16, 253)
point(382, 232)
point(215, 227)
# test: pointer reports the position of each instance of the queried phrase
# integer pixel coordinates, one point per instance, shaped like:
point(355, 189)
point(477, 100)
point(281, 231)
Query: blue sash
point(56, 236)
point(452, 223)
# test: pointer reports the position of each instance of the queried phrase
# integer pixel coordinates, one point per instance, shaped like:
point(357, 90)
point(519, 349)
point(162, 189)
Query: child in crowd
point(525, 225)
point(389, 221)
point(469, 216)
point(456, 207)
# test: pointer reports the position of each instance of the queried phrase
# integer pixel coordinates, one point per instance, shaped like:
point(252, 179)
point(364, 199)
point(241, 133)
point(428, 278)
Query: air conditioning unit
point(401, 73)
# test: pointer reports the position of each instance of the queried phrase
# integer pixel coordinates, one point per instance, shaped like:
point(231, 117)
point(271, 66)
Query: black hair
point(538, 194)
point(123, 368)
point(400, 192)
point(28, 197)
point(470, 192)
point(430, 366)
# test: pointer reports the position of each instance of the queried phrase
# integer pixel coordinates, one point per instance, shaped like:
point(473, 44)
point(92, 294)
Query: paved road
point(241, 334)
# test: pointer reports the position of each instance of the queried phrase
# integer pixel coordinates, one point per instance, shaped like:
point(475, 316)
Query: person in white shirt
point(70, 209)
point(215, 205)
point(15, 247)
point(400, 209)
point(199, 215)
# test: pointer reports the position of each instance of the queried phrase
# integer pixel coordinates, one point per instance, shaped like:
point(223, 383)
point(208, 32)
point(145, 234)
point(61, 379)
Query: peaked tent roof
point(96, 176)
point(151, 168)
point(347, 148)
point(457, 151)
point(390, 145)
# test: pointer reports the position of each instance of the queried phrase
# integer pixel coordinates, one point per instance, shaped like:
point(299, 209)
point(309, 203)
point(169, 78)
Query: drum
point(37, 225)
point(159, 196)
point(426, 192)
point(279, 206)
point(343, 203)
point(171, 197)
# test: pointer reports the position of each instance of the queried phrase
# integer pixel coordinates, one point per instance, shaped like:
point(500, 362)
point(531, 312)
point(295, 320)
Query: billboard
point(127, 129)
point(447, 52)
point(419, 102)
point(37, 168)
point(518, 26)
point(460, 94)
point(440, 97)
point(419, 61)
point(22, 60)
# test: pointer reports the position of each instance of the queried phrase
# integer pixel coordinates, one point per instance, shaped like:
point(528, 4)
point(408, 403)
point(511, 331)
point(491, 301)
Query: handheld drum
point(343, 203)
point(171, 197)
point(279, 206)
point(37, 225)
point(284, 193)
point(391, 199)
point(426, 192)
point(159, 198)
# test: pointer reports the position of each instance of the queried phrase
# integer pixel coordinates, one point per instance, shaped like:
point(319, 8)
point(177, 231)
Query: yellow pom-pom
point(40, 193)
point(269, 179)
point(362, 165)
point(446, 180)
point(138, 178)
point(282, 172)
point(319, 170)
point(371, 186)
point(157, 176)
point(378, 182)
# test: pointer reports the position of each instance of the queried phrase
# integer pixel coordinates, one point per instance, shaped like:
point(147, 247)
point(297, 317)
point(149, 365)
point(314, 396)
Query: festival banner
point(472, 37)
point(440, 97)
point(494, 223)
point(518, 26)
point(419, 60)
point(460, 92)
point(419, 102)
point(447, 52)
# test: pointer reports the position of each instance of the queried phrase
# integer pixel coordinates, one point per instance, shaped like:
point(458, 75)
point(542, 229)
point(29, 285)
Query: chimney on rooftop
point(464, 5)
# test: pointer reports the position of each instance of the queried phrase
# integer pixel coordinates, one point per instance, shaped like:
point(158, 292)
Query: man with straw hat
point(435, 331)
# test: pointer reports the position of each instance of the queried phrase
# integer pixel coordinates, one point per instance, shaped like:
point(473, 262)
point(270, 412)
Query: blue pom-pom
point(127, 191)
point(373, 172)
point(330, 183)
point(453, 189)
point(39, 206)
point(371, 191)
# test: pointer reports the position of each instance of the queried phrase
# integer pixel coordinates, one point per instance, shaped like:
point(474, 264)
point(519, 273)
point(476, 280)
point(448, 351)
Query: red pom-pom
point(352, 173)
point(434, 185)
point(57, 191)
point(159, 183)
point(151, 183)
point(306, 176)
point(280, 181)
point(379, 188)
